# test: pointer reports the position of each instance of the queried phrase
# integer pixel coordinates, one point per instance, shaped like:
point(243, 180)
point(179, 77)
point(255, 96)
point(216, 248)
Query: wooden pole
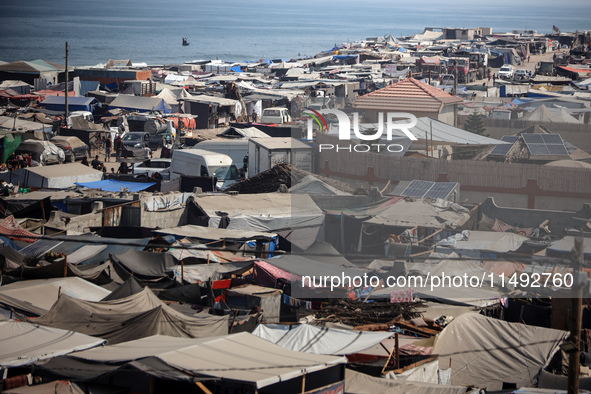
point(397, 346)
point(203, 388)
point(303, 383)
point(65, 266)
point(576, 302)
point(389, 357)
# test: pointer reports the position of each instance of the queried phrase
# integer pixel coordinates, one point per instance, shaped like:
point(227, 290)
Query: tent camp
point(487, 352)
point(140, 104)
point(52, 177)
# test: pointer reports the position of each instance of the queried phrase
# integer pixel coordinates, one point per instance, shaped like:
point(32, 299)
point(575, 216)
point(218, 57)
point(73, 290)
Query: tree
point(474, 124)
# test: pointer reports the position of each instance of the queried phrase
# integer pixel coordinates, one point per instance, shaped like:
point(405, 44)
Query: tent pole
point(389, 357)
point(182, 271)
point(203, 388)
point(303, 383)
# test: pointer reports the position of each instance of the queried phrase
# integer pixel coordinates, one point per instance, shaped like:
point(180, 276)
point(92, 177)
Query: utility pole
point(67, 79)
point(576, 302)
point(455, 92)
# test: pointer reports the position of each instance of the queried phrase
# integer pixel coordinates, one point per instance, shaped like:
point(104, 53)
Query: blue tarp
point(237, 69)
point(58, 103)
point(112, 185)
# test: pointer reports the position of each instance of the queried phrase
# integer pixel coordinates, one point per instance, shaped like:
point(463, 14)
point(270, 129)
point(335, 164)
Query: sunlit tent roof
point(239, 357)
point(23, 343)
point(53, 177)
point(311, 339)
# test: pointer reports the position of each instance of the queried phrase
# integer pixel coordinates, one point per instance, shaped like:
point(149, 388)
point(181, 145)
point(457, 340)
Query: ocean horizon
point(151, 31)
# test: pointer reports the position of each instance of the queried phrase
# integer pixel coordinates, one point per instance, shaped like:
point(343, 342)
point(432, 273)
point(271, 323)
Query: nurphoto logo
point(344, 127)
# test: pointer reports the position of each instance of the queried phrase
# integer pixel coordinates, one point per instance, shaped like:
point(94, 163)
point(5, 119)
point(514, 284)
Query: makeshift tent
point(311, 339)
point(213, 234)
point(170, 98)
point(137, 316)
point(359, 383)
point(246, 297)
point(439, 214)
point(52, 177)
point(58, 103)
point(246, 132)
point(544, 114)
point(128, 288)
point(112, 185)
point(240, 358)
point(24, 343)
point(140, 103)
point(312, 185)
point(145, 264)
point(473, 242)
point(37, 296)
point(486, 352)
point(194, 273)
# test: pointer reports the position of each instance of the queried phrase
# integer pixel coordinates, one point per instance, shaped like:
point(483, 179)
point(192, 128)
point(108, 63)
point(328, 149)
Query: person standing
point(108, 145)
point(118, 146)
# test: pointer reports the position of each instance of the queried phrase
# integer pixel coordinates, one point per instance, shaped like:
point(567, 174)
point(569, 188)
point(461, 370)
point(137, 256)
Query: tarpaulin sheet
point(311, 339)
point(111, 185)
point(23, 343)
point(487, 352)
point(137, 316)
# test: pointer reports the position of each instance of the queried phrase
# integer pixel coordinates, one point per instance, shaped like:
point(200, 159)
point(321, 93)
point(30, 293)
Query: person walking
point(108, 144)
point(118, 146)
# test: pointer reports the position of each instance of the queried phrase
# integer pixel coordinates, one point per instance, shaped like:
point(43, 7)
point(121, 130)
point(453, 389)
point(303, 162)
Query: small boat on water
point(185, 42)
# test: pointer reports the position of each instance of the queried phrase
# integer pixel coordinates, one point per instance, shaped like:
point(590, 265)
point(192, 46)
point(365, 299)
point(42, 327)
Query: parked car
point(506, 72)
point(140, 139)
point(73, 147)
point(521, 74)
point(152, 166)
point(278, 115)
point(43, 152)
point(447, 80)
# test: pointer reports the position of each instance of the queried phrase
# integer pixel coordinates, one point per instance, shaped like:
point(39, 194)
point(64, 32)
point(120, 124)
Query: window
point(204, 171)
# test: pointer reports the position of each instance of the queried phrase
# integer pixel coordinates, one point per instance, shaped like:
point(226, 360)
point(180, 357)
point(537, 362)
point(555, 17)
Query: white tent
point(311, 339)
point(53, 177)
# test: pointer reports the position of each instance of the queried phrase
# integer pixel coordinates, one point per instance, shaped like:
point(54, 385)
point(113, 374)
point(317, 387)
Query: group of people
point(15, 161)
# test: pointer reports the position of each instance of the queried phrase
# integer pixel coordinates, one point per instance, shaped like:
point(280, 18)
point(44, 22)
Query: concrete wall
point(164, 219)
point(519, 217)
point(503, 199)
point(79, 223)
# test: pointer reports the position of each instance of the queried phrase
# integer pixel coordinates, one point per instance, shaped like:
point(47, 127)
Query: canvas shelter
point(137, 316)
point(317, 340)
point(237, 360)
point(140, 104)
point(53, 177)
point(24, 343)
point(487, 352)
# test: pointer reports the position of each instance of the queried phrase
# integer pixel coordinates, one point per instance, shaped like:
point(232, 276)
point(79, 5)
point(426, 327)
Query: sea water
point(235, 30)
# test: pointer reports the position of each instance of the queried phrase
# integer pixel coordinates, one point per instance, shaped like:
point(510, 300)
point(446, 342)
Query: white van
point(237, 149)
point(199, 162)
point(274, 115)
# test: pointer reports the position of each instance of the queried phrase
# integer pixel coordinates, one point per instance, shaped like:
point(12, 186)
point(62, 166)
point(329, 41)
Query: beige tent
point(486, 352)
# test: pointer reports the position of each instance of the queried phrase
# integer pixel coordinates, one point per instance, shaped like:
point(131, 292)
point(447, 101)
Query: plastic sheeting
point(23, 343)
point(111, 185)
point(146, 264)
point(311, 339)
point(487, 352)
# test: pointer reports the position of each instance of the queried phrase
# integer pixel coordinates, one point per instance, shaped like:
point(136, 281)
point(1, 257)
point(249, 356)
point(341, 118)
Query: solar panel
point(426, 189)
point(503, 149)
point(557, 150)
point(537, 149)
point(441, 190)
point(552, 139)
point(417, 188)
point(509, 138)
point(530, 138)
